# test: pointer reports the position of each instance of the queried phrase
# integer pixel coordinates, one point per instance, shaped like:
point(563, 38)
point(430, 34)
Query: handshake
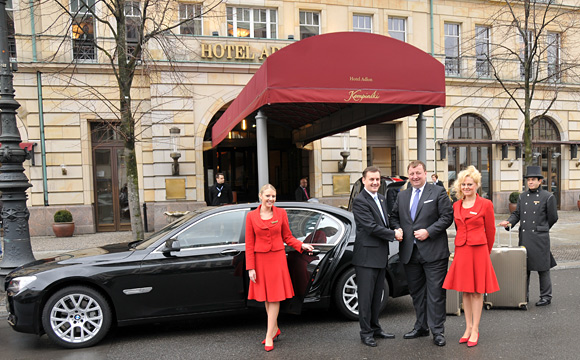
point(421, 234)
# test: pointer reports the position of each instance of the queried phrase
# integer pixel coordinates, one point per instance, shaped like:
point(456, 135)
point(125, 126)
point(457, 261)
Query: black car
point(390, 187)
point(194, 266)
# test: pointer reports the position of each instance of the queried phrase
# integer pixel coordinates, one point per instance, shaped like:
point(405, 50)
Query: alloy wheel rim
point(349, 295)
point(76, 318)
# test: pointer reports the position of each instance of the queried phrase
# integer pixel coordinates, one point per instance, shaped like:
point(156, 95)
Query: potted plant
point(514, 196)
point(63, 224)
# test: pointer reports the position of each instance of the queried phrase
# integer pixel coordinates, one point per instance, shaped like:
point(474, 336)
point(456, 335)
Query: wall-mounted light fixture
point(574, 151)
point(536, 155)
point(345, 153)
point(504, 151)
point(175, 154)
point(244, 125)
point(63, 169)
point(511, 162)
point(556, 155)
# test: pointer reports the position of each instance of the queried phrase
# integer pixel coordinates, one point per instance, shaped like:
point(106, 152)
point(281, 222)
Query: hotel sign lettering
point(235, 52)
point(360, 95)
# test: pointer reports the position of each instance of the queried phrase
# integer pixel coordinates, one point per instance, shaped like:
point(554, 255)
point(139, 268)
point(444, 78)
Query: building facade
point(69, 104)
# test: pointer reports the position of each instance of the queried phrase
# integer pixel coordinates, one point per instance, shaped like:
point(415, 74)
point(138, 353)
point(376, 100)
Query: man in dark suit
point(301, 194)
point(371, 252)
point(436, 181)
point(220, 193)
point(423, 212)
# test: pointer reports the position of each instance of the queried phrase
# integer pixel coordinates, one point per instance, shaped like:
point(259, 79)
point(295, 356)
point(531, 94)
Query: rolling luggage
point(453, 298)
point(509, 264)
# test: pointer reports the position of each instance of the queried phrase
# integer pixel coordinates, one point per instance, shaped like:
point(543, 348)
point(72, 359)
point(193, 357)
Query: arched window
point(469, 126)
point(461, 154)
point(543, 128)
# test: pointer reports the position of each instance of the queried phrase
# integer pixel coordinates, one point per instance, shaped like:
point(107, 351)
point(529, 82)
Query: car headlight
point(20, 283)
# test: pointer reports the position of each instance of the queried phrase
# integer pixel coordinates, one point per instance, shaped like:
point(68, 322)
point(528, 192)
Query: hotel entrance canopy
point(335, 82)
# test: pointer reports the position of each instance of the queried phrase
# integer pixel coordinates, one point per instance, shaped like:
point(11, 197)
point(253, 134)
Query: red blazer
point(478, 226)
point(261, 238)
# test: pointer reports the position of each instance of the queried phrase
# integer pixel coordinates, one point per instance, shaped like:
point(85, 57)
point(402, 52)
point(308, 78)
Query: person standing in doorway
point(301, 193)
point(371, 253)
point(220, 193)
point(537, 210)
point(423, 213)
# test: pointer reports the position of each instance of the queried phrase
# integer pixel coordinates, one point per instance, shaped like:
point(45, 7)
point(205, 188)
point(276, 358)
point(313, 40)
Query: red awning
point(334, 82)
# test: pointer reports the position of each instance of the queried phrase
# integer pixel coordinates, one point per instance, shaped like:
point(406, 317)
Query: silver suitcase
point(453, 298)
point(509, 264)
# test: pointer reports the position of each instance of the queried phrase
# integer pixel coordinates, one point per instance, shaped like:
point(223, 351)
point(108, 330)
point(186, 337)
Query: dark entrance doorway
point(236, 158)
point(110, 179)
point(548, 157)
point(470, 132)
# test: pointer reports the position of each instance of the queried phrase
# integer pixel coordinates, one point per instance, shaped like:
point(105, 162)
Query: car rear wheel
point(76, 317)
point(346, 297)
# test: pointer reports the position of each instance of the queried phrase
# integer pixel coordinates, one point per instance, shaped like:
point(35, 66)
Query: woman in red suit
point(267, 230)
point(471, 271)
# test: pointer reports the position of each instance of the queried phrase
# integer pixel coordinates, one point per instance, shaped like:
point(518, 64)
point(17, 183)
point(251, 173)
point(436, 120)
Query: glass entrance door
point(461, 156)
point(548, 158)
point(111, 195)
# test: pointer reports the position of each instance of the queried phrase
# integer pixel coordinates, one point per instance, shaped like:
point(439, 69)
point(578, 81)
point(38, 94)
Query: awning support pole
point(262, 146)
point(422, 138)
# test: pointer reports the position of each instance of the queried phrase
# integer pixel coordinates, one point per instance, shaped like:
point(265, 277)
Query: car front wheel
point(76, 317)
point(346, 296)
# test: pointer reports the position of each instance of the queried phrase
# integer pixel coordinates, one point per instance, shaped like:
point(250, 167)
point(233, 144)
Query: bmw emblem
point(77, 317)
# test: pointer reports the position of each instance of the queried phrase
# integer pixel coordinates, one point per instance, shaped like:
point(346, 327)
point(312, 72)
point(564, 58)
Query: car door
point(309, 272)
point(207, 274)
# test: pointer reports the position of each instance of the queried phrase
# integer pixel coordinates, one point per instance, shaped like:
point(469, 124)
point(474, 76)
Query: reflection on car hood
point(84, 256)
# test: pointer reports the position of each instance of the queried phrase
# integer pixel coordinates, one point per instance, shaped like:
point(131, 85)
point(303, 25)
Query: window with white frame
point(190, 17)
point(553, 47)
point(398, 28)
point(362, 23)
point(133, 26)
point(482, 50)
point(452, 59)
point(83, 30)
point(251, 22)
point(309, 24)
point(526, 55)
point(10, 30)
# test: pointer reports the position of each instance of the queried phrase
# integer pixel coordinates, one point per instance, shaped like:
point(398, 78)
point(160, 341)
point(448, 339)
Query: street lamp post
point(13, 181)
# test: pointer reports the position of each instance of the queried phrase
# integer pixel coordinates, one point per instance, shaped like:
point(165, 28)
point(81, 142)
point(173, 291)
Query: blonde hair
point(266, 187)
point(471, 172)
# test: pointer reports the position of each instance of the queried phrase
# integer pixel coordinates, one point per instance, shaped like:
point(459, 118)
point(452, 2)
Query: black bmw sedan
point(194, 266)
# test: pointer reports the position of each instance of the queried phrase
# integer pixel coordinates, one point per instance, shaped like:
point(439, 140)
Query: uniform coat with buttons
point(537, 211)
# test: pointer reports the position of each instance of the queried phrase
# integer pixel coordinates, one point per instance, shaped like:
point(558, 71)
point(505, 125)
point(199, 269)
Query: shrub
point(62, 216)
point(514, 197)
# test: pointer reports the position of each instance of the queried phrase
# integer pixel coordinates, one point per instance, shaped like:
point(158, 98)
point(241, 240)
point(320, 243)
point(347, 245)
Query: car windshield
point(170, 227)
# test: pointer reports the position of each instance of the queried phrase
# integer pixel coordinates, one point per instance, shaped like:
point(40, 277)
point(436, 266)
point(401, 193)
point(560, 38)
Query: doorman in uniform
point(538, 211)
point(220, 193)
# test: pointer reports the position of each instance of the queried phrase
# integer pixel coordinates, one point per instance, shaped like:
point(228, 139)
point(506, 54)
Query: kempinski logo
point(359, 95)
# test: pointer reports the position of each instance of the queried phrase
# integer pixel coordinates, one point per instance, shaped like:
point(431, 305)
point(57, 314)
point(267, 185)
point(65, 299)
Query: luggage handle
point(509, 229)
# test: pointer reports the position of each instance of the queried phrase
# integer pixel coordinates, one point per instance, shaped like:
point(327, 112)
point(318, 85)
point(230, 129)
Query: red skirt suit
point(265, 253)
point(471, 270)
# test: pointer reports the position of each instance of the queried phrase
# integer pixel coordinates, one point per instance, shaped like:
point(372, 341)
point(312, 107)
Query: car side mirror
point(171, 245)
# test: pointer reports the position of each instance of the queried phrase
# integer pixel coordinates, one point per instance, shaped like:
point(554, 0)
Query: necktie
point(305, 193)
point(380, 208)
point(415, 203)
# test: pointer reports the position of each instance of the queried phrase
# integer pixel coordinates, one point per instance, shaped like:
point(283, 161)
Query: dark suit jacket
point(225, 198)
point(439, 183)
point(434, 213)
point(371, 247)
point(300, 195)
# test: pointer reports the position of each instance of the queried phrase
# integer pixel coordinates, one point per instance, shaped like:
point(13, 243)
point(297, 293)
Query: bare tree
point(543, 62)
point(134, 28)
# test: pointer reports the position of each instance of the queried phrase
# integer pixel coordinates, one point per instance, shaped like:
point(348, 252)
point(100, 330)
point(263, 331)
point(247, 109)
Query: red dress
point(471, 270)
point(265, 253)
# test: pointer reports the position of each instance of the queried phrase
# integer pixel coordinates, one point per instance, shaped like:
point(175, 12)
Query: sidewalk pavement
point(564, 236)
